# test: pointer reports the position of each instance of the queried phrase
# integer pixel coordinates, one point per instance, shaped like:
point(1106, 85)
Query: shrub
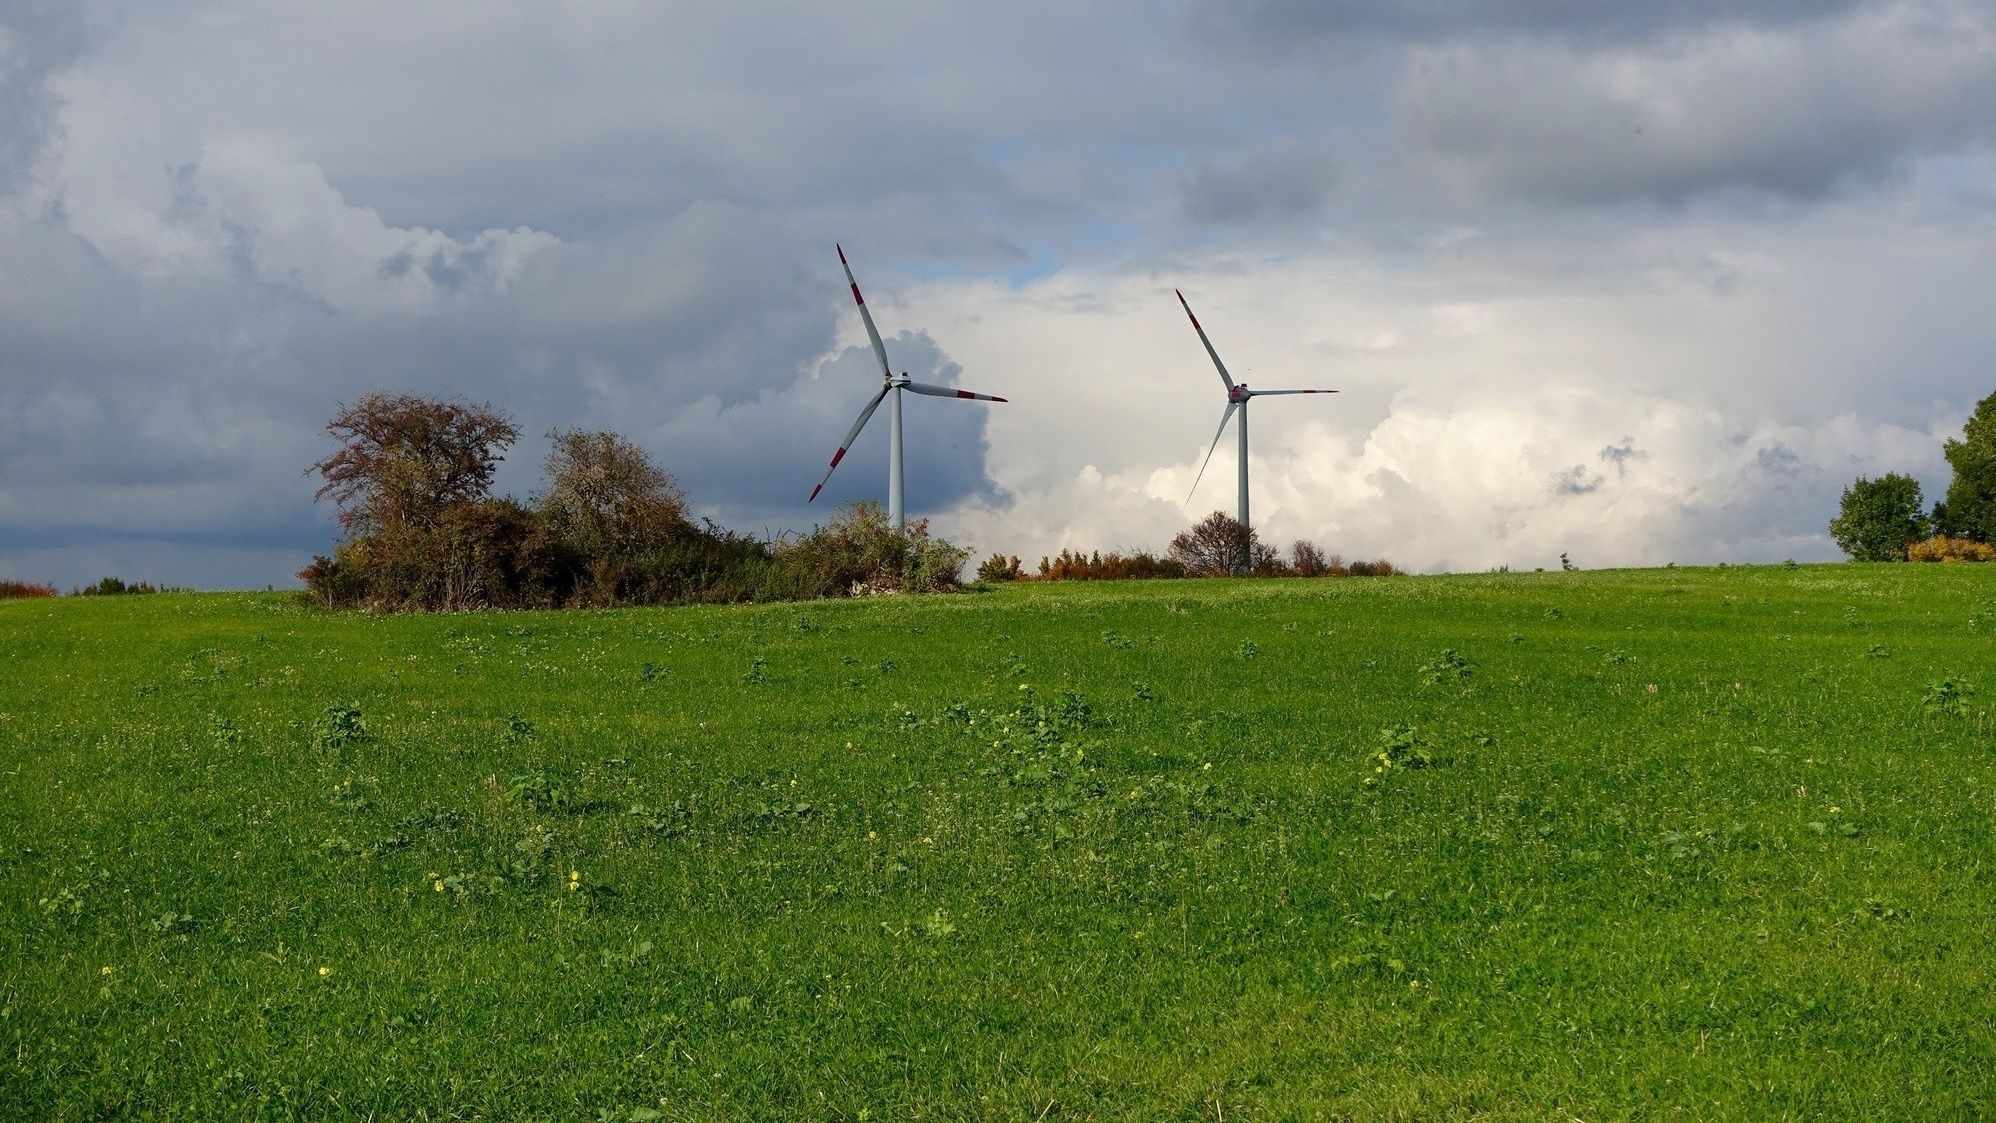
point(606, 505)
point(24, 590)
point(860, 552)
point(1378, 568)
point(1941, 548)
point(1071, 565)
point(998, 567)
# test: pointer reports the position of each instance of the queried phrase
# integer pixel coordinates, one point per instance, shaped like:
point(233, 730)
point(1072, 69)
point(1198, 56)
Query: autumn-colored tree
point(606, 498)
point(1307, 559)
point(1220, 545)
point(404, 461)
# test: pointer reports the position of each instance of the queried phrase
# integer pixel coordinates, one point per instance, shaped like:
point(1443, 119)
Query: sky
point(1634, 283)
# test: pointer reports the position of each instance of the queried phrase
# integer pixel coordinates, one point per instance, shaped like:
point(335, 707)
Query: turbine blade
point(1224, 376)
point(947, 392)
point(1217, 434)
point(1259, 393)
point(873, 333)
point(850, 438)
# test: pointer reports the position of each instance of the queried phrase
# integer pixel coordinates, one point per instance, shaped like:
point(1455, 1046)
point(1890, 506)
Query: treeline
point(1219, 546)
point(107, 587)
point(1887, 519)
point(412, 478)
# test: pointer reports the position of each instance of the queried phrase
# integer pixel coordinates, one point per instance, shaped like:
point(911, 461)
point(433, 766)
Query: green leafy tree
point(1969, 510)
point(1880, 518)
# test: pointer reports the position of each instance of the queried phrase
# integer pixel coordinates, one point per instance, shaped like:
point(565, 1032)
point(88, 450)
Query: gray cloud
point(616, 217)
point(1795, 112)
point(1284, 183)
point(1577, 480)
point(1621, 454)
point(38, 40)
point(1288, 24)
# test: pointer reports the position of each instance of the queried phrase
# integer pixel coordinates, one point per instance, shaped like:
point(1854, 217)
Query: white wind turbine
point(890, 384)
point(1237, 399)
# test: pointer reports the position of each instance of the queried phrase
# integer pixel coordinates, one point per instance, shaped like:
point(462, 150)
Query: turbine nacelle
point(1238, 392)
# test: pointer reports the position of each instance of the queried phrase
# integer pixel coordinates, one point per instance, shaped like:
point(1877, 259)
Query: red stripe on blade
point(965, 394)
point(814, 493)
point(838, 456)
point(856, 298)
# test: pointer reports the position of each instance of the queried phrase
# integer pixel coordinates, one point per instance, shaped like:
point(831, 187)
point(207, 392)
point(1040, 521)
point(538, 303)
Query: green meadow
point(1685, 843)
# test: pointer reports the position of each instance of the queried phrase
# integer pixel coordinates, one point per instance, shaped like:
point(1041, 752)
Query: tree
point(1219, 545)
point(1969, 509)
point(1307, 559)
point(1879, 518)
point(404, 461)
point(605, 498)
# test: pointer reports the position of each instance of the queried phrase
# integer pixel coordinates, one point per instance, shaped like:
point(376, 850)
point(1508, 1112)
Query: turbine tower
point(891, 385)
point(1238, 395)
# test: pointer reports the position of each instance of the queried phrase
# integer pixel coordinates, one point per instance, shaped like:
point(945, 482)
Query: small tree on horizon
point(1219, 545)
point(1879, 518)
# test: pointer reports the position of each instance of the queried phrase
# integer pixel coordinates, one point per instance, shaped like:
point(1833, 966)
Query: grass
point(1711, 843)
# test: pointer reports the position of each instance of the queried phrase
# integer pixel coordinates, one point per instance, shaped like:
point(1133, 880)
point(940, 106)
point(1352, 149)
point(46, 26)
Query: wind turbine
point(1238, 395)
point(890, 385)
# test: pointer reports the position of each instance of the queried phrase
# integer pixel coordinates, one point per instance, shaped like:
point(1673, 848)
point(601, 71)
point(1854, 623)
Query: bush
point(860, 553)
point(606, 507)
point(1141, 565)
point(24, 590)
point(1941, 548)
point(491, 553)
point(998, 567)
point(1379, 568)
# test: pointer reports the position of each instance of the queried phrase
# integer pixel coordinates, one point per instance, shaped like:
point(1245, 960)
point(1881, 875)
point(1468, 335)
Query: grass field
point(1698, 843)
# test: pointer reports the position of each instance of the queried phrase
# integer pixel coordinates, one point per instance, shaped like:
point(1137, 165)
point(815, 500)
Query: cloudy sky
point(1639, 283)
